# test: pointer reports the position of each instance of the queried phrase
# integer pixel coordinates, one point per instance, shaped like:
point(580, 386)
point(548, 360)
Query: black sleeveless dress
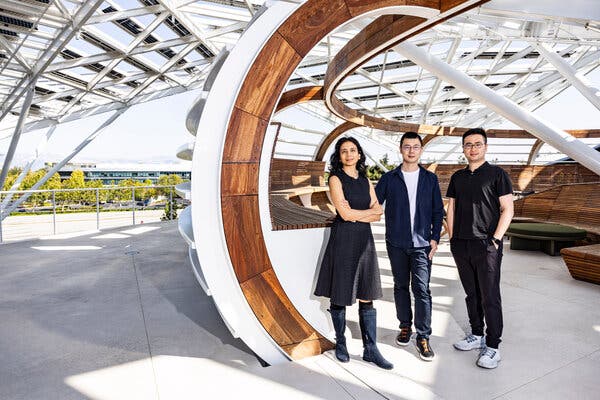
point(349, 269)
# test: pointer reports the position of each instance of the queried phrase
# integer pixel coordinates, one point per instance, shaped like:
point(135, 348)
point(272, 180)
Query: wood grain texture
point(288, 173)
point(299, 95)
point(574, 205)
point(312, 22)
point(526, 178)
point(583, 262)
point(330, 138)
point(308, 347)
point(357, 7)
point(286, 214)
point(245, 136)
point(278, 316)
point(254, 105)
point(239, 179)
point(245, 241)
point(267, 78)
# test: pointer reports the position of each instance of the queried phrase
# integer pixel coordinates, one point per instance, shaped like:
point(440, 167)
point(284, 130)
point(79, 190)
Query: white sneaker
point(470, 342)
point(489, 358)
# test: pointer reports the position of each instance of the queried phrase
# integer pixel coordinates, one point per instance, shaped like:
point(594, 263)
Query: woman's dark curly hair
point(335, 165)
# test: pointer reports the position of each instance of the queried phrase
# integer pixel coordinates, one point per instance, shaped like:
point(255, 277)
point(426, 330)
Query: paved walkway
point(119, 315)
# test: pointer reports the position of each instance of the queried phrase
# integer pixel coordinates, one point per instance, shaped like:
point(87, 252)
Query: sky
point(152, 132)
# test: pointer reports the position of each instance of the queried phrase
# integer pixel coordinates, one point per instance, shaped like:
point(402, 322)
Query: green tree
point(31, 179)
point(90, 195)
point(374, 172)
point(11, 177)
point(170, 210)
point(168, 180)
point(75, 181)
point(53, 183)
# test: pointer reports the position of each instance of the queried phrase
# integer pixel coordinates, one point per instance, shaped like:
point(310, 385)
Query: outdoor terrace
point(117, 314)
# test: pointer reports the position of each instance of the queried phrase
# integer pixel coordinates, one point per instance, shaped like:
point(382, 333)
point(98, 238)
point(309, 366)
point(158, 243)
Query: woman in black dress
point(349, 270)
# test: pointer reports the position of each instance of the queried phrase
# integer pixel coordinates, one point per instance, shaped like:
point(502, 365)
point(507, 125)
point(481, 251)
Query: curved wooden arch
point(248, 122)
point(535, 149)
point(299, 95)
point(335, 133)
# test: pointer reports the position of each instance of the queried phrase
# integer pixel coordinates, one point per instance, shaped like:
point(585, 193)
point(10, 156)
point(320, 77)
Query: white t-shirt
point(412, 180)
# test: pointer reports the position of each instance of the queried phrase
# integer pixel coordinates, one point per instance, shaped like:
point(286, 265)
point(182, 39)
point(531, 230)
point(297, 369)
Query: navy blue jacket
point(391, 189)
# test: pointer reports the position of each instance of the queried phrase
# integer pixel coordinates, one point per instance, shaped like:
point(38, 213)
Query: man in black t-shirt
point(480, 209)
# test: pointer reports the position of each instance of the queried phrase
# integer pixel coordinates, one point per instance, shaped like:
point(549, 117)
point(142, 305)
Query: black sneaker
point(425, 351)
point(403, 337)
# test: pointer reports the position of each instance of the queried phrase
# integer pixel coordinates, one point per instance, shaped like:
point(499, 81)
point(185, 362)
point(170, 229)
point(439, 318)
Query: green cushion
point(549, 230)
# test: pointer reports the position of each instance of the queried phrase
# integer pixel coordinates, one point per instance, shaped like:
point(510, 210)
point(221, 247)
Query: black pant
point(412, 266)
point(478, 262)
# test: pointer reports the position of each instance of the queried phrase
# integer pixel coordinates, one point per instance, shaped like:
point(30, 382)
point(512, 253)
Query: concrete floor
point(119, 315)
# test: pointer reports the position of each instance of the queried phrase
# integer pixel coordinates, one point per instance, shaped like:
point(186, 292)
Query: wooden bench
point(549, 238)
point(298, 197)
point(575, 205)
point(583, 262)
point(286, 214)
point(526, 178)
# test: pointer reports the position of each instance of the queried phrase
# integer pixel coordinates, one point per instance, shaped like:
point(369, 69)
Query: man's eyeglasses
point(408, 148)
point(469, 146)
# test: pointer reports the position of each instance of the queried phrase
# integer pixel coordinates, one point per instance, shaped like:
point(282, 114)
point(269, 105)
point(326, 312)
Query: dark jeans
point(412, 266)
point(478, 263)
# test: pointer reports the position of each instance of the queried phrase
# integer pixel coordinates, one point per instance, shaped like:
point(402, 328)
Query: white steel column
point(38, 151)
point(16, 136)
point(578, 81)
point(58, 166)
point(555, 137)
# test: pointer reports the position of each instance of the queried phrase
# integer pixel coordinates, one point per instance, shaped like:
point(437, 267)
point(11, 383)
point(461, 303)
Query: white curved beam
point(207, 222)
point(555, 137)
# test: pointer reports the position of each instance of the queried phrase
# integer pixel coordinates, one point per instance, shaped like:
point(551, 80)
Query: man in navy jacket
point(413, 218)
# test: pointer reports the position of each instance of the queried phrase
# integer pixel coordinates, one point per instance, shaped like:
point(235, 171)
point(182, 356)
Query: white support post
point(59, 165)
point(16, 136)
point(555, 137)
point(39, 150)
point(578, 81)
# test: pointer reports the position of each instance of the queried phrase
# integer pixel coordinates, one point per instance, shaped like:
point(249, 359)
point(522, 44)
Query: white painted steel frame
point(559, 139)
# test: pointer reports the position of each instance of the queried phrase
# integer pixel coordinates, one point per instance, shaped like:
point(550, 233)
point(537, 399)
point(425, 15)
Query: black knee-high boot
point(338, 316)
point(368, 330)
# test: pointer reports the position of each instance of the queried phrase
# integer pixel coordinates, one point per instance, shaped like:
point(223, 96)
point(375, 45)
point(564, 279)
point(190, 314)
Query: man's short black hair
point(411, 135)
point(475, 131)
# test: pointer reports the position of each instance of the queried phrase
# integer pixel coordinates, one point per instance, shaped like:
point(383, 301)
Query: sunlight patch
point(65, 248)
point(141, 229)
point(111, 236)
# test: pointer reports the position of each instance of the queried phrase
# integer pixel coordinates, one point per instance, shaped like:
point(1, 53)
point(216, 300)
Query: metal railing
point(114, 202)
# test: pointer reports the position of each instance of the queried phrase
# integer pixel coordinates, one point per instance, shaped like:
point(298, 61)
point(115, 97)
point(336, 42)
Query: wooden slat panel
point(580, 266)
point(287, 174)
point(269, 75)
point(525, 177)
point(304, 29)
point(276, 313)
point(286, 214)
point(244, 236)
point(239, 179)
point(244, 137)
